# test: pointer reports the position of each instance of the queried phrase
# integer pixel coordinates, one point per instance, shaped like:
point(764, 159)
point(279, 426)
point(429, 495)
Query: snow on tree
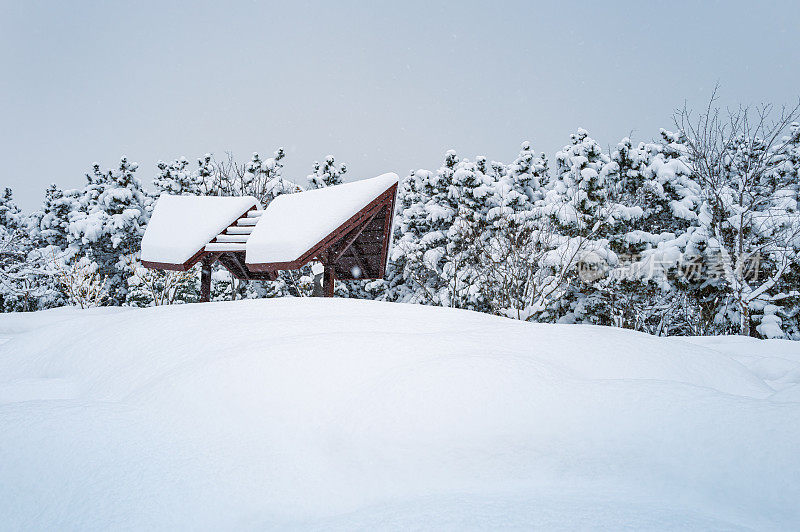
point(177, 179)
point(431, 219)
point(110, 223)
point(10, 213)
point(441, 222)
point(14, 246)
point(82, 283)
point(578, 193)
point(205, 173)
point(410, 224)
point(462, 272)
point(24, 276)
point(50, 224)
point(274, 182)
point(326, 174)
point(524, 181)
point(507, 247)
point(749, 226)
point(258, 177)
point(650, 202)
point(785, 179)
point(527, 264)
point(263, 178)
point(577, 207)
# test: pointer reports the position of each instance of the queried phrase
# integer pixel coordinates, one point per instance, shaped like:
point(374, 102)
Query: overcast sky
point(381, 86)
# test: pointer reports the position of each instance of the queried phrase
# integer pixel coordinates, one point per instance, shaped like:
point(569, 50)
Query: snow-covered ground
point(320, 414)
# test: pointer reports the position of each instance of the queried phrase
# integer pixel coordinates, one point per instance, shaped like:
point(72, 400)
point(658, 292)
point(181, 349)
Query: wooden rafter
point(350, 241)
point(358, 256)
point(234, 258)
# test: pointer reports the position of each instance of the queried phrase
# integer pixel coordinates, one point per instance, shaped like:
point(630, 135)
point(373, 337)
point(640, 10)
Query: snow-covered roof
point(182, 225)
point(293, 224)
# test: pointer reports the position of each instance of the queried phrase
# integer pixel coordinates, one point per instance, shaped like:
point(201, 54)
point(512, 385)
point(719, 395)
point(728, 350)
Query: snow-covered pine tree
point(49, 232)
point(274, 182)
point(467, 236)
point(113, 213)
point(326, 174)
point(10, 213)
point(410, 224)
point(51, 222)
point(177, 178)
point(525, 180)
point(517, 233)
point(423, 218)
point(13, 251)
point(23, 277)
point(647, 238)
point(785, 179)
point(253, 176)
point(578, 194)
point(433, 219)
point(660, 241)
point(205, 173)
point(576, 204)
point(440, 226)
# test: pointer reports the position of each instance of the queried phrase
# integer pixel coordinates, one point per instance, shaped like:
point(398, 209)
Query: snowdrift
point(341, 414)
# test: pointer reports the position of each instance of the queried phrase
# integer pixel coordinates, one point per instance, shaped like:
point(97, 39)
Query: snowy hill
point(349, 414)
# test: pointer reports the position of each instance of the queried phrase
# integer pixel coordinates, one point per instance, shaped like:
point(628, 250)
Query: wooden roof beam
point(355, 251)
point(350, 241)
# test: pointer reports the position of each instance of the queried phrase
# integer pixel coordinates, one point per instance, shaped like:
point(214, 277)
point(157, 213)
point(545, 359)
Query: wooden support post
point(205, 280)
point(329, 278)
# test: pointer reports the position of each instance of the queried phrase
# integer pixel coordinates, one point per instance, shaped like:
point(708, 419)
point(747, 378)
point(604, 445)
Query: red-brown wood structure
point(355, 249)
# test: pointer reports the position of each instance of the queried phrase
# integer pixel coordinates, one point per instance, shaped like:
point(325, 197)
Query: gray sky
point(381, 86)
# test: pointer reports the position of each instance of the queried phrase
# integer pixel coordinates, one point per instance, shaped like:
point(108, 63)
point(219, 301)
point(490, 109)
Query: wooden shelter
point(347, 228)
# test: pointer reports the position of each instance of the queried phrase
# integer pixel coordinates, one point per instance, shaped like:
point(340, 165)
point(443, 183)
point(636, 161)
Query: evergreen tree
point(576, 205)
point(528, 174)
point(470, 195)
point(577, 196)
point(10, 213)
point(326, 174)
point(784, 178)
point(517, 188)
point(409, 227)
point(51, 222)
point(113, 213)
point(177, 179)
point(207, 176)
point(13, 250)
point(274, 183)
point(24, 282)
point(433, 219)
point(441, 223)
